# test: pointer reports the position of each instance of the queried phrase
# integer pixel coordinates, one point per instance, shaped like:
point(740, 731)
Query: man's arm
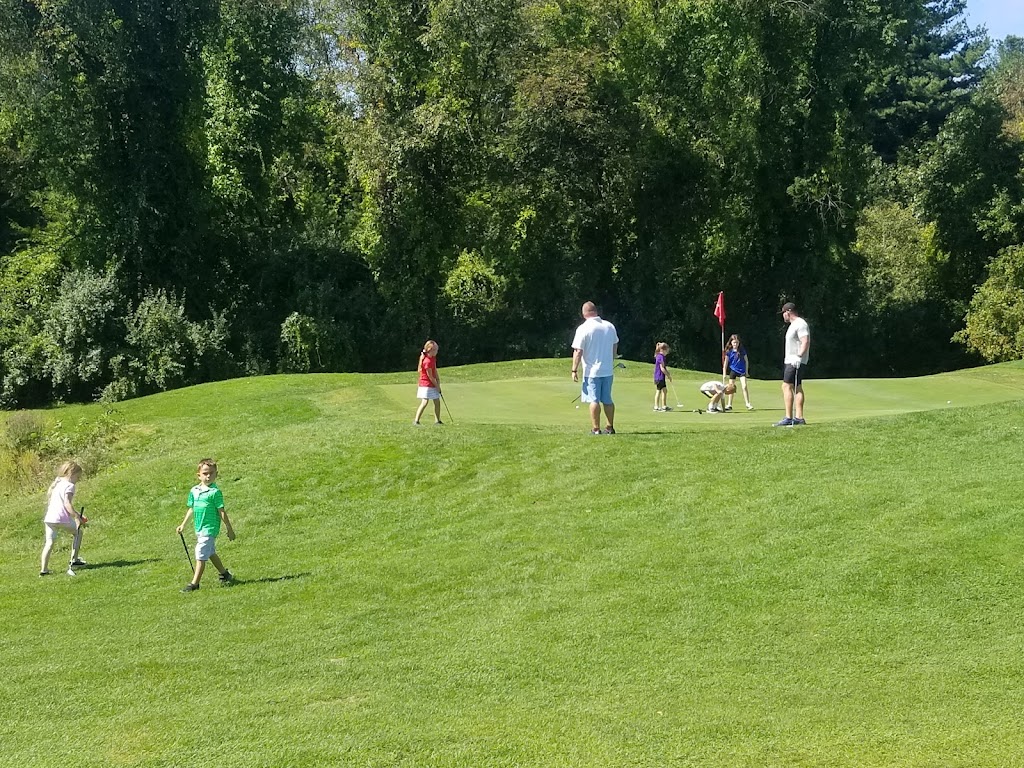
point(577, 355)
point(805, 343)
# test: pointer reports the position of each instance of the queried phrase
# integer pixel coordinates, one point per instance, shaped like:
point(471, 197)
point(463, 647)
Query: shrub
point(309, 344)
point(995, 320)
point(82, 333)
point(23, 431)
point(165, 349)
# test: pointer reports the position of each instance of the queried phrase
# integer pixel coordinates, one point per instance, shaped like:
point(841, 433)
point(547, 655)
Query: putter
point(678, 404)
point(187, 553)
point(81, 512)
point(450, 419)
point(576, 398)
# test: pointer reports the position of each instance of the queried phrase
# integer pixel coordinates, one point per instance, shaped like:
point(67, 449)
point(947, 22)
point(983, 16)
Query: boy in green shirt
point(206, 506)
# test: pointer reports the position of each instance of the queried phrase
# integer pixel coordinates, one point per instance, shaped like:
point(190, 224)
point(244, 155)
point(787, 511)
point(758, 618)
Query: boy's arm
point(227, 523)
point(188, 514)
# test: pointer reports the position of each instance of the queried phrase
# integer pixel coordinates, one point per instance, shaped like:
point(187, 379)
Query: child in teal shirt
point(206, 506)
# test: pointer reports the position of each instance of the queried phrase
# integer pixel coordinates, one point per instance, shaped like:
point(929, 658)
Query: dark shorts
point(793, 375)
point(733, 374)
point(660, 383)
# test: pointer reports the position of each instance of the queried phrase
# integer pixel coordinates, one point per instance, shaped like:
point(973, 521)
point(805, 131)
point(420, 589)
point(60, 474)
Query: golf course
point(508, 590)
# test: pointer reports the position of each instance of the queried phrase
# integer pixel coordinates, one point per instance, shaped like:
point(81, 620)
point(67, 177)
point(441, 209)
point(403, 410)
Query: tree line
point(211, 188)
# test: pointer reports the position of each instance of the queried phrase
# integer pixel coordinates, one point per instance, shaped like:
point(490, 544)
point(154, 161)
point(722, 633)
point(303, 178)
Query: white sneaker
point(71, 572)
point(713, 410)
point(750, 407)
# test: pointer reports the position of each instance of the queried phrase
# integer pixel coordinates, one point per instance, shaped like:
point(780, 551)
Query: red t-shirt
point(428, 364)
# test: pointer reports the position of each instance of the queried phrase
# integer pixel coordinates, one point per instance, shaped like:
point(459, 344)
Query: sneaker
point(798, 421)
point(78, 562)
point(595, 431)
point(750, 407)
point(786, 422)
point(610, 431)
point(71, 572)
point(438, 423)
point(44, 573)
point(728, 407)
point(713, 410)
point(659, 409)
point(416, 424)
point(190, 587)
point(666, 408)
point(226, 577)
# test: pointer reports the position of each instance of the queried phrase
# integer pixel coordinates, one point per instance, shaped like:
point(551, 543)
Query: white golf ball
point(948, 402)
point(577, 407)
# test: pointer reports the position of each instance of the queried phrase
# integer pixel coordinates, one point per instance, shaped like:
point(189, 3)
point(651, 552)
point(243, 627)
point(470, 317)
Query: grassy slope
point(509, 591)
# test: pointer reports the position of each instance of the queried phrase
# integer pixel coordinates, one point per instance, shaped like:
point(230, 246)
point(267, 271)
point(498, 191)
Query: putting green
point(548, 400)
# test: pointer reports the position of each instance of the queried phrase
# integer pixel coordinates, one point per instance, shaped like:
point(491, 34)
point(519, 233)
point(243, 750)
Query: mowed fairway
point(508, 591)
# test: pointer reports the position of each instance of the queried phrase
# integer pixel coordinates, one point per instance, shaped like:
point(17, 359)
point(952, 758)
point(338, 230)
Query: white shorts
point(206, 547)
point(52, 529)
point(428, 393)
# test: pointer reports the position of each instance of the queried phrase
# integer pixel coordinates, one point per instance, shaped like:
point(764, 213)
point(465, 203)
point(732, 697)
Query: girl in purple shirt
point(661, 374)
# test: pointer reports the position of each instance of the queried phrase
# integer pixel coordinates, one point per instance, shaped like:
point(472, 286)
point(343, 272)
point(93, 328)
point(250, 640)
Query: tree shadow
point(119, 564)
point(268, 579)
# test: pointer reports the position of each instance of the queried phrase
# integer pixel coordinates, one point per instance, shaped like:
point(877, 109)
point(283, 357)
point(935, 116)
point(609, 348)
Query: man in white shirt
point(798, 344)
point(595, 345)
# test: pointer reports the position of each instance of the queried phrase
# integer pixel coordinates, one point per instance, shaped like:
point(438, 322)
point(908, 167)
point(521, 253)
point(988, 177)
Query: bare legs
point(595, 415)
point(793, 400)
point(423, 407)
point(51, 539)
point(201, 566)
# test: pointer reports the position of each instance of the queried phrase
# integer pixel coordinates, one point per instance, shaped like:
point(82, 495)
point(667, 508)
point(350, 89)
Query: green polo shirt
point(205, 503)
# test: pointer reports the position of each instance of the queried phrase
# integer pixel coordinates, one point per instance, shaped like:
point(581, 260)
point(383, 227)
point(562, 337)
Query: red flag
point(720, 309)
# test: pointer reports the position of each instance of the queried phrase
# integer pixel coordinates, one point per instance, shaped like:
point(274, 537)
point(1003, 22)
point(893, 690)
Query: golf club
point(576, 398)
point(450, 419)
point(676, 394)
point(81, 513)
point(188, 554)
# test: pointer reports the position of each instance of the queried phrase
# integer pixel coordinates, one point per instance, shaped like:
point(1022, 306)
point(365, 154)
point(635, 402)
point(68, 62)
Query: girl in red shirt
point(429, 385)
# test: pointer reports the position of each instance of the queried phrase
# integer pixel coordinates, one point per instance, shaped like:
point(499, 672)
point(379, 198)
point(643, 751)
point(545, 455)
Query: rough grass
point(508, 591)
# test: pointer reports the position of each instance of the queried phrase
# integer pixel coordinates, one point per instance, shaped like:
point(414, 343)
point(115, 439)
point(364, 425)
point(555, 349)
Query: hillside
point(509, 591)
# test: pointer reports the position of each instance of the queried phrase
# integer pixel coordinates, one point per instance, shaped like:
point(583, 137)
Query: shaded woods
point(197, 190)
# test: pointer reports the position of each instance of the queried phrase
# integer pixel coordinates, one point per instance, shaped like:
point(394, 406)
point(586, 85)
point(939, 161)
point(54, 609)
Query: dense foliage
point(190, 191)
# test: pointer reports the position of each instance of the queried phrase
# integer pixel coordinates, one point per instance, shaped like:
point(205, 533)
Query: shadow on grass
point(267, 579)
point(119, 564)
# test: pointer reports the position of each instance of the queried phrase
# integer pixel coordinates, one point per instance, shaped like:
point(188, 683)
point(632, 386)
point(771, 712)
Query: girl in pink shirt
point(60, 513)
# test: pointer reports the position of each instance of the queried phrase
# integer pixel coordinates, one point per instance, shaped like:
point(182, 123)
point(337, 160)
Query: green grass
point(509, 591)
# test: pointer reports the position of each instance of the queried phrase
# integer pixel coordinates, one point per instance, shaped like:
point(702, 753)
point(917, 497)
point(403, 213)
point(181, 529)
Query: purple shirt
point(659, 367)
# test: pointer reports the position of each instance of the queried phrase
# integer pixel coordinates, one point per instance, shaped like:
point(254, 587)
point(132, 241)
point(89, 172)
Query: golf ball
point(948, 402)
point(577, 407)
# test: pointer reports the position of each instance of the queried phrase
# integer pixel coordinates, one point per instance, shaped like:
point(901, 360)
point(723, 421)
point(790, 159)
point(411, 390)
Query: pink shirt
point(55, 512)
